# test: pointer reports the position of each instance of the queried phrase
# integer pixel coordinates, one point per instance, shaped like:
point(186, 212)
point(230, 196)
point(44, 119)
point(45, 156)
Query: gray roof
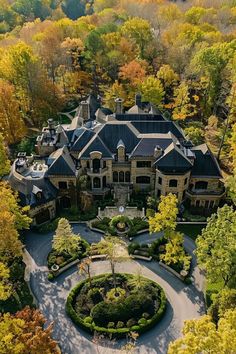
point(148, 127)
point(173, 161)
point(205, 164)
point(96, 145)
point(146, 146)
point(61, 163)
point(83, 139)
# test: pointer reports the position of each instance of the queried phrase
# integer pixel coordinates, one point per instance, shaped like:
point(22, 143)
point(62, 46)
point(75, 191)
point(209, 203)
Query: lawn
point(192, 230)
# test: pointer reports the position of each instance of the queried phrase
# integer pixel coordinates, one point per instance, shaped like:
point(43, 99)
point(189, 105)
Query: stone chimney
point(85, 113)
point(51, 126)
point(157, 151)
point(138, 99)
point(119, 105)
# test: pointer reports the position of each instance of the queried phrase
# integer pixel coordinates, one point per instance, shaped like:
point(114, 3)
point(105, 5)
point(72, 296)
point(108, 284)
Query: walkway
point(185, 302)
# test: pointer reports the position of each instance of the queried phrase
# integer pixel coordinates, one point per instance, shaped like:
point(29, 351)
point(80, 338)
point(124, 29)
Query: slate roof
point(139, 117)
point(110, 134)
point(163, 127)
point(83, 139)
point(173, 161)
point(61, 163)
point(146, 146)
point(205, 163)
point(96, 145)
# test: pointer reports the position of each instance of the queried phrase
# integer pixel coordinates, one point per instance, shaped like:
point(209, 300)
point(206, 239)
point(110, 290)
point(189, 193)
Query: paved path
point(184, 302)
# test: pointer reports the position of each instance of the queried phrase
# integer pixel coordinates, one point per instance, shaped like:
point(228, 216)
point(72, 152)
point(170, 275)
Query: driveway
point(184, 302)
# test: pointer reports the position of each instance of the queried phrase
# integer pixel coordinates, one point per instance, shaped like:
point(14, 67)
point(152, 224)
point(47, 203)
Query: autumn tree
point(182, 107)
point(64, 239)
point(223, 301)
point(5, 286)
point(139, 30)
point(165, 218)
point(133, 72)
point(216, 245)
point(10, 114)
point(4, 162)
point(203, 336)
point(84, 268)
point(152, 90)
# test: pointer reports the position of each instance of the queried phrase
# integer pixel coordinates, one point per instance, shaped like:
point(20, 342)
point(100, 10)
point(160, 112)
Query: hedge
point(114, 332)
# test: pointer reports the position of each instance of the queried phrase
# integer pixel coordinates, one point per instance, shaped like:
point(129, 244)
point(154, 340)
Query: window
point(62, 185)
point(173, 183)
point(207, 204)
point(201, 185)
point(185, 181)
point(87, 164)
point(158, 193)
point(104, 181)
point(143, 180)
point(96, 182)
point(96, 165)
point(143, 164)
point(121, 176)
point(159, 180)
point(198, 203)
point(65, 202)
point(115, 176)
point(127, 176)
point(104, 164)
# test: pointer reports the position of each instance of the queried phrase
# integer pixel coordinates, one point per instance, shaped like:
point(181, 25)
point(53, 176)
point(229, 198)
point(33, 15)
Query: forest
point(180, 55)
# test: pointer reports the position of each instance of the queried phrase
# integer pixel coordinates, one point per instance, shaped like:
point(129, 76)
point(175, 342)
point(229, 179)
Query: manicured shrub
point(133, 246)
point(111, 325)
point(88, 320)
point(142, 321)
point(150, 213)
point(95, 295)
point(131, 322)
point(120, 324)
point(145, 315)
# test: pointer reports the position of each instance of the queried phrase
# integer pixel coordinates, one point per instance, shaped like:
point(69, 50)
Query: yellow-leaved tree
point(4, 162)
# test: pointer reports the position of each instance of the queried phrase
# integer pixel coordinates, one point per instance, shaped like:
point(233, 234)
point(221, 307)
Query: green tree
point(64, 239)
point(182, 106)
point(4, 162)
point(223, 301)
point(203, 336)
point(217, 244)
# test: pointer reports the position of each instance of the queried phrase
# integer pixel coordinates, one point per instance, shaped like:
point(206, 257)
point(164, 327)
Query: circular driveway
point(184, 302)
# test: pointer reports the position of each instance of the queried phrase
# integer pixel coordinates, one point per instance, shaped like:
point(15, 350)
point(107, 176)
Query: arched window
point(96, 182)
point(65, 202)
point(201, 185)
point(121, 176)
point(115, 176)
point(143, 180)
point(104, 182)
point(127, 176)
point(96, 165)
point(173, 183)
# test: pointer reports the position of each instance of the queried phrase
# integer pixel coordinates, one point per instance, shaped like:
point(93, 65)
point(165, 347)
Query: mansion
point(138, 149)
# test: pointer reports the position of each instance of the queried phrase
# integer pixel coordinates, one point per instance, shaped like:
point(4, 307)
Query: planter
point(55, 267)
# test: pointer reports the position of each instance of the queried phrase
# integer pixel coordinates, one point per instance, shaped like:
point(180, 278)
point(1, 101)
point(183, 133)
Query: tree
point(139, 30)
point(9, 203)
point(64, 239)
point(223, 301)
point(24, 333)
point(137, 281)
point(115, 250)
point(174, 250)
point(182, 107)
point(133, 72)
point(165, 218)
point(4, 162)
point(216, 245)
point(167, 76)
point(152, 90)
point(10, 114)
point(84, 268)
point(5, 287)
point(195, 134)
point(115, 91)
point(203, 336)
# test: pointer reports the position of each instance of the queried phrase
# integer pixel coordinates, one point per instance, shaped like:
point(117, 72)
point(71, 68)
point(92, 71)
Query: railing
point(96, 171)
point(205, 192)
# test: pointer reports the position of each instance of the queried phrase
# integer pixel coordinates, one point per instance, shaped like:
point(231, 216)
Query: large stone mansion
point(138, 149)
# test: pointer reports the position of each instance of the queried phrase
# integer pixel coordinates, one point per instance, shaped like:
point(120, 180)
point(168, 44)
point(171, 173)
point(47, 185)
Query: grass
point(190, 230)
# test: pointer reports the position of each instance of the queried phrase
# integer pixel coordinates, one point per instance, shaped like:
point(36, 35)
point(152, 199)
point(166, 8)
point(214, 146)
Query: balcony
point(199, 192)
point(96, 171)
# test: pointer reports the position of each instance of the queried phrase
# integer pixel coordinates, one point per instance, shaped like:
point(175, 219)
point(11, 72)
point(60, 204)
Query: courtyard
point(183, 301)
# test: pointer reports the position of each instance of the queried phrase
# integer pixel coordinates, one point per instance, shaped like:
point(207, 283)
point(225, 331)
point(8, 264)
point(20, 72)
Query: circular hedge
point(97, 309)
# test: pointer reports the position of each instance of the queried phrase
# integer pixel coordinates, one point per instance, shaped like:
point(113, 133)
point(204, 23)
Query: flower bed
point(101, 308)
point(109, 225)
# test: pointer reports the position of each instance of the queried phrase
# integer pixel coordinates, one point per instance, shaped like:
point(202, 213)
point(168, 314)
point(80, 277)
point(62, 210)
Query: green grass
point(190, 230)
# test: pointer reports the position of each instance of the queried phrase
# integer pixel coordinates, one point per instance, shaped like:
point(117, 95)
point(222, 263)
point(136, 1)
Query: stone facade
point(139, 149)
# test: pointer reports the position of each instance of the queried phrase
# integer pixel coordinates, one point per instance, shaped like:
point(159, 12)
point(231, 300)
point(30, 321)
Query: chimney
point(51, 126)
point(119, 105)
point(85, 114)
point(138, 99)
point(157, 152)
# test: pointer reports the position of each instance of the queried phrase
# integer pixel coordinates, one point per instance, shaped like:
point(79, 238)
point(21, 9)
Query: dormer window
point(121, 151)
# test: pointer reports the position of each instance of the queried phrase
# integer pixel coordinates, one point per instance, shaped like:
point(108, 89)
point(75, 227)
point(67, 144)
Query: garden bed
point(63, 259)
point(102, 309)
point(108, 226)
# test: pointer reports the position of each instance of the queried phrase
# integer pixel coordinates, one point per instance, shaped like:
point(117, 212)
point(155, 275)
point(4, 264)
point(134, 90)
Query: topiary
point(131, 322)
point(95, 295)
point(88, 319)
point(116, 294)
point(145, 315)
point(120, 324)
point(142, 321)
point(111, 325)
